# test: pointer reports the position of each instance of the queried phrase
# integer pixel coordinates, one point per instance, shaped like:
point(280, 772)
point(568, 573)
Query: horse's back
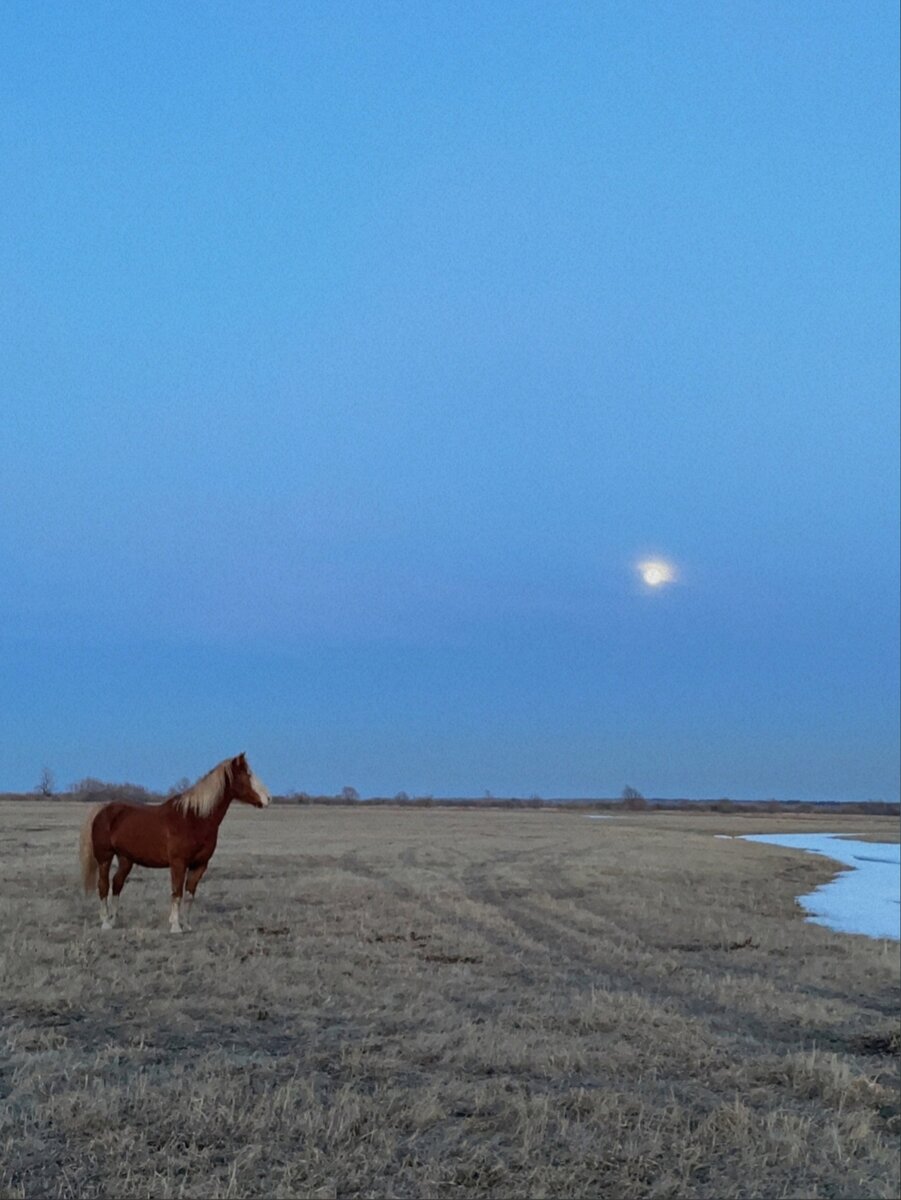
point(135, 830)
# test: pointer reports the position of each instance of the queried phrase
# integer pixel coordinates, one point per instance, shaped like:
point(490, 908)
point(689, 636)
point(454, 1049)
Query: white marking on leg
point(114, 909)
point(105, 922)
point(174, 923)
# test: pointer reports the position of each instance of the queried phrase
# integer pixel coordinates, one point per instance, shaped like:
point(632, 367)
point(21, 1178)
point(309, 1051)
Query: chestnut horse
point(179, 834)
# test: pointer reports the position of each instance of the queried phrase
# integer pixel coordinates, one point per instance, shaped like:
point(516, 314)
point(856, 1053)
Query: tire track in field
point(573, 952)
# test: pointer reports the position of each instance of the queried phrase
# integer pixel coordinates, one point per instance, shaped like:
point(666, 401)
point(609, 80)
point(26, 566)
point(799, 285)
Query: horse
point(179, 834)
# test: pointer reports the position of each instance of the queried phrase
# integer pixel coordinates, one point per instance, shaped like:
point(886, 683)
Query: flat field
point(451, 1004)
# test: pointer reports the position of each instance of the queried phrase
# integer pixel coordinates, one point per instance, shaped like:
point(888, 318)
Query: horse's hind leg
point(194, 877)
point(103, 866)
point(125, 865)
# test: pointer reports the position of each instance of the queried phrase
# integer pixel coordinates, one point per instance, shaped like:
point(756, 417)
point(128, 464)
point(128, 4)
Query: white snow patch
point(866, 899)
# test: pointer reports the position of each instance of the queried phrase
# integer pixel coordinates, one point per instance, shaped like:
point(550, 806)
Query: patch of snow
point(865, 899)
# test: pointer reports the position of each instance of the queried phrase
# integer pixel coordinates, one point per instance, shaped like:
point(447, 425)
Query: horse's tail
point(86, 858)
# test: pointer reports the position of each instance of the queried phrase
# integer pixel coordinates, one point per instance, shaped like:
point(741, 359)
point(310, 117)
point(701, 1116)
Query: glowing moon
point(656, 572)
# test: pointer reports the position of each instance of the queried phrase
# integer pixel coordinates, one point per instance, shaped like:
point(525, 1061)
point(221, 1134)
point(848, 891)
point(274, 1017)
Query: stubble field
point(452, 1004)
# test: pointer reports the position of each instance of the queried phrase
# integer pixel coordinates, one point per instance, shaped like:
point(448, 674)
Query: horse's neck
point(221, 808)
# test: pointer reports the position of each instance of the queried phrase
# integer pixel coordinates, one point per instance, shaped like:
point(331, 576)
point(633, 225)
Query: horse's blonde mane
point(206, 793)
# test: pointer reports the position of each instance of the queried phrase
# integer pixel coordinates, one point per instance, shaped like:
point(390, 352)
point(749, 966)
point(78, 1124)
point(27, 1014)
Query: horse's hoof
point(106, 927)
point(175, 929)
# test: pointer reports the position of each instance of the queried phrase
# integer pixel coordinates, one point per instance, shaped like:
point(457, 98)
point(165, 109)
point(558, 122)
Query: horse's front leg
point(125, 865)
point(177, 871)
point(194, 877)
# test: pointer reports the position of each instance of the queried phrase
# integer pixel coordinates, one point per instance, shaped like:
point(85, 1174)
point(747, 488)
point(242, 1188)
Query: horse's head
point(245, 785)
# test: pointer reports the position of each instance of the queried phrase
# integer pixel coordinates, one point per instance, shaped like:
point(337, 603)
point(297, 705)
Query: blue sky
point(353, 355)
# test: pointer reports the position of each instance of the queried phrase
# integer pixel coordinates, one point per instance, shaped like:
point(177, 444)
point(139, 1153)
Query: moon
point(655, 572)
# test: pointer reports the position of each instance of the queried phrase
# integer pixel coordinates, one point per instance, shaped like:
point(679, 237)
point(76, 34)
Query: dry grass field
point(451, 1004)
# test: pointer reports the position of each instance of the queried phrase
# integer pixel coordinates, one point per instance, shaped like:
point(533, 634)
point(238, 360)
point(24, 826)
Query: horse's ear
point(239, 760)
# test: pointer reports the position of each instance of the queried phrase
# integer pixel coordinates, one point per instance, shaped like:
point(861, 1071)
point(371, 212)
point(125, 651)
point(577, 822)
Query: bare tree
point(633, 799)
point(350, 794)
point(46, 785)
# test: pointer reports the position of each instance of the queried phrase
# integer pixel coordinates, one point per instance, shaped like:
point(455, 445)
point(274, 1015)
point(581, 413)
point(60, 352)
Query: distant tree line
point(99, 791)
point(631, 801)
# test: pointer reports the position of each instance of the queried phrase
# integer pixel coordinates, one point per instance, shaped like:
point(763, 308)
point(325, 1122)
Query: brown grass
point(439, 1003)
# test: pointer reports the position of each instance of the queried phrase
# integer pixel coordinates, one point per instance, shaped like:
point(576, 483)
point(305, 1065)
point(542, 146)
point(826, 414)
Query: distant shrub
point(294, 798)
point(98, 791)
point(633, 800)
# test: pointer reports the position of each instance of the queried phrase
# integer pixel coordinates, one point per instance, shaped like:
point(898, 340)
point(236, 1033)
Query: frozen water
point(866, 899)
